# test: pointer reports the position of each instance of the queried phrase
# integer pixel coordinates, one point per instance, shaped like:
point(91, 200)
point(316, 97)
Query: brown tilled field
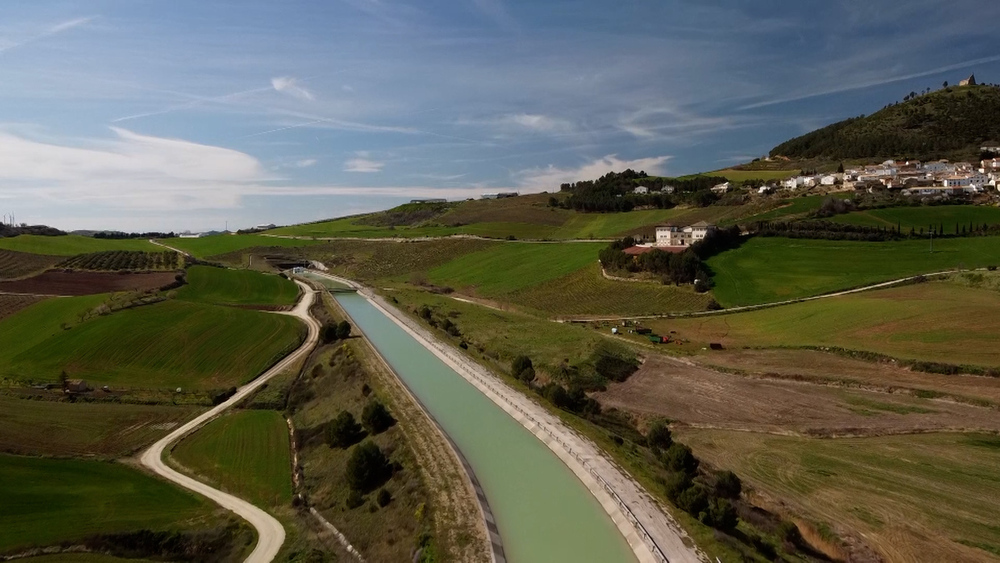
point(692, 395)
point(14, 265)
point(10, 304)
point(87, 283)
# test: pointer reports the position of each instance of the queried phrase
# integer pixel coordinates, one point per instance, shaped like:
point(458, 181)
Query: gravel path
point(270, 533)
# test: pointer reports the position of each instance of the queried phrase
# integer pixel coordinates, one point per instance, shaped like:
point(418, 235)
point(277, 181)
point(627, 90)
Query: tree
point(328, 333)
point(659, 436)
point(343, 330)
point(693, 500)
point(520, 365)
point(720, 514)
point(343, 431)
point(679, 458)
point(376, 417)
point(367, 467)
point(840, 169)
point(945, 84)
point(728, 485)
point(528, 375)
point(383, 498)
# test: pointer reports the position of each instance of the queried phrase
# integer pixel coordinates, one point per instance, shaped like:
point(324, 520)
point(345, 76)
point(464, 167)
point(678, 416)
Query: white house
point(679, 235)
point(938, 166)
point(721, 188)
point(668, 189)
point(641, 190)
point(828, 180)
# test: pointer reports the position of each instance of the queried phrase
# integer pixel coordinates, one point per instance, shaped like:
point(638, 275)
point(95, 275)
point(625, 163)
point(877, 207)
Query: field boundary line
point(270, 532)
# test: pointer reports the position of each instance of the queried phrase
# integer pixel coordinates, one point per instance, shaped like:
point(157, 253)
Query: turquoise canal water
point(543, 511)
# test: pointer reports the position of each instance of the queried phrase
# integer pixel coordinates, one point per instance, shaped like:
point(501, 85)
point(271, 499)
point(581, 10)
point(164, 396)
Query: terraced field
point(15, 264)
point(117, 260)
point(924, 217)
point(166, 345)
point(764, 270)
point(245, 453)
point(48, 501)
point(71, 245)
point(108, 430)
point(927, 497)
point(207, 284)
point(205, 247)
point(935, 321)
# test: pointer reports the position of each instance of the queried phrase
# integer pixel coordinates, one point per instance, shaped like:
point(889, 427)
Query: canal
point(543, 511)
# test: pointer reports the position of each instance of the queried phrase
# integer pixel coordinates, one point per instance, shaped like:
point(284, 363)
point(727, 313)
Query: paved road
point(270, 533)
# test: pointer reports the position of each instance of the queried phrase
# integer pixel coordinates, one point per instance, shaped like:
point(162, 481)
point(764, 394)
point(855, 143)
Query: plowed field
point(86, 283)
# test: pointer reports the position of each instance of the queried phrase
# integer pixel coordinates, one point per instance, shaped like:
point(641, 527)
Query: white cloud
point(306, 163)
point(290, 86)
point(549, 178)
point(363, 165)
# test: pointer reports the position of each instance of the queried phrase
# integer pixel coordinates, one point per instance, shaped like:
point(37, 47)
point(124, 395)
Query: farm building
point(970, 81)
point(500, 195)
point(641, 190)
point(721, 188)
point(76, 386)
point(682, 236)
point(430, 200)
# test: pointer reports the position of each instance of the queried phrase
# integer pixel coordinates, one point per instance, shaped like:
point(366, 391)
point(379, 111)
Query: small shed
point(76, 386)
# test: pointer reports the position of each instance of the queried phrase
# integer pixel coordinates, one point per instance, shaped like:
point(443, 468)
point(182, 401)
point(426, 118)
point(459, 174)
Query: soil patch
point(700, 397)
point(58, 282)
point(10, 304)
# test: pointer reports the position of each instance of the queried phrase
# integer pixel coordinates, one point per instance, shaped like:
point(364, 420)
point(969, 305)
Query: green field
point(928, 497)
point(946, 216)
point(168, 344)
point(796, 207)
point(245, 453)
point(71, 245)
point(939, 321)
point(221, 244)
point(57, 428)
point(207, 284)
point(47, 501)
point(734, 175)
point(509, 267)
point(764, 270)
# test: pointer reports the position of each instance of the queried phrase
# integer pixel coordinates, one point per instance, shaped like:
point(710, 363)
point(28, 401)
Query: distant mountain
point(953, 122)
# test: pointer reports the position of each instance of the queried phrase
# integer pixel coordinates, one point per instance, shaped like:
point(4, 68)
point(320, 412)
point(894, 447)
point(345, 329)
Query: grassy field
point(935, 321)
point(70, 245)
point(222, 244)
point(370, 261)
point(915, 498)
point(46, 501)
point(245, 453)
point(169, 344)
point(775, 269)
point(796, 207)
point(924, 217)
point(219, 286)
point(734, 175)
point(38, 427)
point(510, 267)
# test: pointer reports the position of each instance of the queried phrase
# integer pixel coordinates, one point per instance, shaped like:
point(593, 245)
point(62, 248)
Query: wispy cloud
point(306, 163)
point(496, 10)
point(363, 165)
point(872, 83)
point(290, 86)
point(52, 30)
point(550, 177)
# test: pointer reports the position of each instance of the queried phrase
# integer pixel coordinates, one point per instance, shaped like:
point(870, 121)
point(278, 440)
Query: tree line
point(614, 192)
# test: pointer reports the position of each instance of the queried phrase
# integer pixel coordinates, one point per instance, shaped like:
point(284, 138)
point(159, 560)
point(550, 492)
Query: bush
point(527, 375)
point(367, 467)
point(693, 500)
point(328, 333)
point(675, 484)
point(354, 499)
point(713, 305)
point(343, 431)
point(659, 436)
point(679, 458)
point(520, 364)
point(343, 330)
point(720, 514)
point(376, 417)
point(728, 485)
point(383, 498)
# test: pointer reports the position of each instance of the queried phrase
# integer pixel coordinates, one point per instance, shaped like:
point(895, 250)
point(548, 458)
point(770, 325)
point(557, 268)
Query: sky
point(193, 115)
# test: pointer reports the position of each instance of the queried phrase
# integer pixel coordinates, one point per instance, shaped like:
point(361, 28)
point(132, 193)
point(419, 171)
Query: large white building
point(680, 235)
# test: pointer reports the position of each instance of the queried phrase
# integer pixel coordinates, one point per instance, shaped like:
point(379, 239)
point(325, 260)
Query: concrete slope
point(270, 533)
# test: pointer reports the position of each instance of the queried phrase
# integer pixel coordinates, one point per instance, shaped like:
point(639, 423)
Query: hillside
point(949, 123)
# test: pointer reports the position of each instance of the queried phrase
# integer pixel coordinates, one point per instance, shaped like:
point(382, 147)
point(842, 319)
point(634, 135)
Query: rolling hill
point(952, 122)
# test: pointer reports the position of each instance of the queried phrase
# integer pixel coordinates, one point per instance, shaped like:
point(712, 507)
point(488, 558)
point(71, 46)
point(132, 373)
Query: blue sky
point(143, 114)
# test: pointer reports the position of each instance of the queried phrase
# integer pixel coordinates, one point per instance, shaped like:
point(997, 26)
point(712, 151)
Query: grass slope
point(46, 501)
point(924, 217)
point(915, 498)
point(207, 284)
point(221, 244)
point(169, 344)
point(245, 453)
point(510, 267)
point(935, 321)
point(32, 427)
point(774, 269)
point(71, 245)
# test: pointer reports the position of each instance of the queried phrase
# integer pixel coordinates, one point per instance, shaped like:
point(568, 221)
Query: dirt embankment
point(87, 283)
point(696, 396)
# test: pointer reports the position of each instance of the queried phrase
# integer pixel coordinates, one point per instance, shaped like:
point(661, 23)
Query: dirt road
point(177, 250)
point(270, 533)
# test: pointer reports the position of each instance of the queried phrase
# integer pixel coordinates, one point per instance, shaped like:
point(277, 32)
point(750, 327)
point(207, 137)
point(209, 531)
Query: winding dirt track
point(270, 533)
